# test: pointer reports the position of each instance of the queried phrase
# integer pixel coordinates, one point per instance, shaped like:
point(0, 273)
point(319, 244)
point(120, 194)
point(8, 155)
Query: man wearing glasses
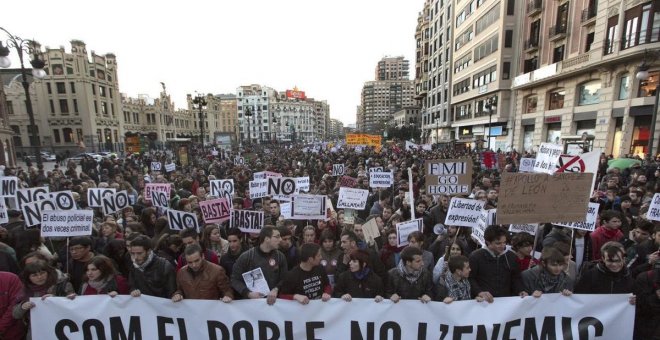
point(80, 252)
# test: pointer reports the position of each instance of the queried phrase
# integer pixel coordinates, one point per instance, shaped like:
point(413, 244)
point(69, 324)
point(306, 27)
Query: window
point(64, 106)
point(75, 105)
point(562, 17)
point(69, 70)
point(104, 108)
point(102, 91)
point(624, 87)
point(79, 134)
point(50, 90)
point(61, 89)
point(530, 103)
point(506, 70)
point(556, 99)
point(10, 107)
point(68, 135)
point(485, 77)
point(508, 38)
point(93, 89)
point(462, 63)
point(461, 87)
point(589, 93)
point(110, 90)
point(558, 54)
point(487, 19)
point(73, 87)
point(52, 106)
point(56, 135)
point(590, 40)
point(612, 31)
point(510, 6)
point(648, 88)
point(17, 135)
point(96, 107)
point(486, 48)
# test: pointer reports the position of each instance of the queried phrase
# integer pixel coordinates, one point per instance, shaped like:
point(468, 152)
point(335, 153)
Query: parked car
point(107, 154)
point(45, 157)
point(77, 158)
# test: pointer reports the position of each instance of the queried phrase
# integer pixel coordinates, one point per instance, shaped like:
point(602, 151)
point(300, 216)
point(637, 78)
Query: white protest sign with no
point(547, 158)
point(337, 169)
point(654, 209)
point(8, 186)
point(464, 212)
point(94, 196)
point(526, 165)
point(223, 188)
point(179, 220)
point(66, 223)
point(156, 166)
point(31, 195)
point(350, 198)
point(159, 199)
point(281, 187)
point(114, 203)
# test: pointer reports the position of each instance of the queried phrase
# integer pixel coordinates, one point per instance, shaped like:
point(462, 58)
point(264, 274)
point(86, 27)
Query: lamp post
point(248, 114)
point(491, 105)
point(643, 74)
point(437, 128)
point(25, 46)
point(272, 128)
point(199, 102)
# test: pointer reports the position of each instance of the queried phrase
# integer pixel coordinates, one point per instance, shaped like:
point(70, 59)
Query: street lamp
point(199, 102)
point(248, 114)
point(491, 105)
point(643, 74)
point(25, 46)
point(272, 128)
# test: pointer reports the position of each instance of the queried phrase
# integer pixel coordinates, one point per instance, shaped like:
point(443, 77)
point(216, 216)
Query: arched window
point(624, 86)
point(556, 99)
point(589, 92)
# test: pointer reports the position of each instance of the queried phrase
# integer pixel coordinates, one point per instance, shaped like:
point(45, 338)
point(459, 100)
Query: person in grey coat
point(409, 279)
point(549, 276)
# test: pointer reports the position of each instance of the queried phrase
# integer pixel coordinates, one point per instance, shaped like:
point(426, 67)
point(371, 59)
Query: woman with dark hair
point(441, 267)
point(549, 276)
point(330, 254)
point(116, 251)
point(29, 240)
point(359, 281)
point(212, 240)
point(40, 280)
point(391, 253)
point(148, 219)
point(101, 277)
point(169, 247)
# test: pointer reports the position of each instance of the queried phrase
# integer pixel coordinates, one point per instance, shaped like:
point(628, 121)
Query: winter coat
point(398, 284)
point(600, 280)
point(157, 279)
point(369, 287)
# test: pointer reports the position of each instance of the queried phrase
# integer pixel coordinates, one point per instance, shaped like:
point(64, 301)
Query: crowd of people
point(135, 252)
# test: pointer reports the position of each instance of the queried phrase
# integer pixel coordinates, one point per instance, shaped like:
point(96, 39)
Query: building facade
point(380, 99)
point(433, 51)
point(483, 51)
point(392, 68)
point(335, 130)
point(77, 106)
point(578, 74)
point(7, 148)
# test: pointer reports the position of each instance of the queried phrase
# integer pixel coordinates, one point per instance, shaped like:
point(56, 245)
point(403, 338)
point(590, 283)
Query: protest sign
point(464, 212)
point(586, 162)
point(448, 176)
point(162, 187)
point(551, 316)
point(4, 216)
point(427, 147)
point(247, 221)
point(265, 174)
point(258, 188)
point(239, 161)
point(63, 200)
point(479, 229)
point(524, 228)
point(308, 207)
point(281, 187)
point(348, 182)
point(337, 169)
point(179, 220)
point(541, 198)
point(66, 223)
point(302, 183)
point(94, 196)
point(404, 229)
point(547, 158)
point(375, 169)
point(381, 179)
point(156, 166)
point(256, 282)
point(32, 211)
point(159, 199)
point(350, 198)
point(526, 165)
point(216, 210)
point(114, 203)
point(31, 195)
point(223, 188)
point(654, 209)
point(8, 186)
point(285, 210)
point(370, 229)
point(587, 223)
point(170, 167)
point(411, 146)
point(349, 216)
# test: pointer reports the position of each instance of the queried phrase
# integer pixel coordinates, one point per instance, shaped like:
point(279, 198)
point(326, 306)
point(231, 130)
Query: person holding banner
point(410, 279)
point(201, 279)
point(150, 274)
point(359, 281)
point(549, 276)
point(307, 281)
point(608, 276)
point(101, 277)
point(495, 271)
point(11, 289)
point(454, 285)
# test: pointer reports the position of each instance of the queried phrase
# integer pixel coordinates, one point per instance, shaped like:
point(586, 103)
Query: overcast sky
point(328, 48)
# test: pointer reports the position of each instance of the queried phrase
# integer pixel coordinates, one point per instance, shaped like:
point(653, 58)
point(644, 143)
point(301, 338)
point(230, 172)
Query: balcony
point(557, 32)
point(589, 14)
point(531, 45)
point(463, 116)
point(534, 7)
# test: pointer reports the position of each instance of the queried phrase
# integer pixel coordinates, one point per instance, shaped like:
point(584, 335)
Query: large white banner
point(557, 317)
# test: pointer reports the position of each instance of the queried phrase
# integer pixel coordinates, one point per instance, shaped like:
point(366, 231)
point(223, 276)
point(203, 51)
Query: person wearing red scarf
point(390, 255)
point(609, 230)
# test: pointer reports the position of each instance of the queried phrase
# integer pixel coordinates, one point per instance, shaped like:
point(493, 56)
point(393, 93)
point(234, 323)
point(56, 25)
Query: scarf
point(389, 250)
point(143, 266)
point(551, 283)
point(98, 285)
point(411, 276)
point(457, 290)
point(37, 291)
point(361, 274)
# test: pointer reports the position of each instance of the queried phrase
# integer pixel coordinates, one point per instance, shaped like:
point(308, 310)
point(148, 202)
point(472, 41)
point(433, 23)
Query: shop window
point(624, 87)
point(648, 87)
point(556, 99)
point(68, 135)
point(530, 104)
point(589, 93)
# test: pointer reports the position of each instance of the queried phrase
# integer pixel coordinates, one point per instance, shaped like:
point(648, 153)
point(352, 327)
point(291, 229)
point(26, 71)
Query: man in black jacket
point(409, 279)
point(495, 272)
point(150, 274)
